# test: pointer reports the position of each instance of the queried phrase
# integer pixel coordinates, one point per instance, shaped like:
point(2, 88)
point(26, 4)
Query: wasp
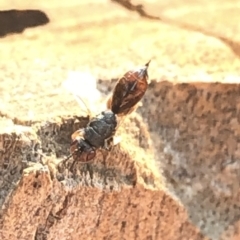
point(99, 132)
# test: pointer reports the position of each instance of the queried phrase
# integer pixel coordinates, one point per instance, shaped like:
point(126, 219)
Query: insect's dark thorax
point(100, 128)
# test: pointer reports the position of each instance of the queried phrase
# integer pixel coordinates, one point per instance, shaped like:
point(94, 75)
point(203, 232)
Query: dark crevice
point(42, 231)
point(100, 204)
point(63, 211)
point(139, 8)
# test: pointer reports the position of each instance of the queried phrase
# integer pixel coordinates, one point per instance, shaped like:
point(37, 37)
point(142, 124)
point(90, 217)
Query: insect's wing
point(83, 86)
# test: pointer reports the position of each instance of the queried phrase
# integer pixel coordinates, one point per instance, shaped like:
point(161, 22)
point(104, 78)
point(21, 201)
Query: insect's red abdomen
point(128, 91)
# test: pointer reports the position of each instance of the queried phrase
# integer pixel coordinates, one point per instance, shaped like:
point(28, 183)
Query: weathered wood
point(118, 196)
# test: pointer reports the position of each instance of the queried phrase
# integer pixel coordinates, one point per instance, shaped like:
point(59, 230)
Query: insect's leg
point(108, 146)
point(81, 101)
point(64, 161)
point(108, 143)
point(73, 165)
point(112, 141)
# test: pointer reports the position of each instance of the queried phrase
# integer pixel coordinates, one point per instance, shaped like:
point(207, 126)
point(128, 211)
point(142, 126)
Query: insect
point(101, 129)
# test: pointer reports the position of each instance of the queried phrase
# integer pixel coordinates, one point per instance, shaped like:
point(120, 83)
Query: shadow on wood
point(15, 21)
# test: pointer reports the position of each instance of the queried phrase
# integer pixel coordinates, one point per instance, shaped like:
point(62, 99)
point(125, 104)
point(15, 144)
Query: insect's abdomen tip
point(147, 64)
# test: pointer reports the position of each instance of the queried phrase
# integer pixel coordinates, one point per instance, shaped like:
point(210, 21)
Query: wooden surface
point(175, 175)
